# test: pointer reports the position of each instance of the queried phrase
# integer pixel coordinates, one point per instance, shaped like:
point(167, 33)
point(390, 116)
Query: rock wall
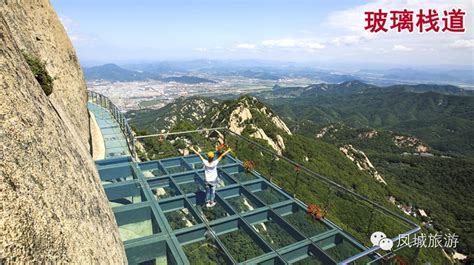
point(36, 28)
point(53, 207)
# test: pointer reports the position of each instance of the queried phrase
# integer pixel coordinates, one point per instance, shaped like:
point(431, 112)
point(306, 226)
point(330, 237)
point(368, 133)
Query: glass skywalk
point(114, 140)
point(260, 216)
point(254, 220)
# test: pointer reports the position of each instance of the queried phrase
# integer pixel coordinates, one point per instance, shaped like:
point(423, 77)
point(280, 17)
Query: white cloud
point(66, 21)
point(347, 40)
point(463, 44)
point(402, 48)
point(347, 29)
point(200, 49)
point(356, 15)
point(246, 46)
point(74, 33)
point(293, 43)
point(305, 31)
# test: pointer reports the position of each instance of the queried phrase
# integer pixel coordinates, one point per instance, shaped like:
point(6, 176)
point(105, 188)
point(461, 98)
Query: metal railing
point(107, 104)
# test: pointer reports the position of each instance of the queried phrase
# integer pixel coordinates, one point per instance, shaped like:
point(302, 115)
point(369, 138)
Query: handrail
point(375, 248)
point(179, 133)
point(106, 103)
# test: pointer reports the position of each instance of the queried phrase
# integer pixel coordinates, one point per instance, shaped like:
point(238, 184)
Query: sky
point(318, 32)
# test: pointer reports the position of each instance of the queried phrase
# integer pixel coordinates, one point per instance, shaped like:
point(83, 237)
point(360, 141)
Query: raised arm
point(196, 152)
point(223, 154)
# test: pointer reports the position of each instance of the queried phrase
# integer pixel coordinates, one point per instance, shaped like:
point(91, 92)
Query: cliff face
point(36, 28)
point(53, 207)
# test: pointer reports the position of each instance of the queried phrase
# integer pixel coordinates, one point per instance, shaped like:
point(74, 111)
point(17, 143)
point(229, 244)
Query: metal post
point(272, 168)
point(369, 225)
point(297, 169)
point(236, 145)
point(253, 153)
point(328, 200)
point(417, 253)
point(134, 152)
point(116, 114)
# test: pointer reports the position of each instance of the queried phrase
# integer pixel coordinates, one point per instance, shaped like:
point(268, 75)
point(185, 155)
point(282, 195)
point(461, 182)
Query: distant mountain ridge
point(192, 110)
point(442, 116)
point(249, 117)
point(359, 87)
point(113, 72)
point(246, 116)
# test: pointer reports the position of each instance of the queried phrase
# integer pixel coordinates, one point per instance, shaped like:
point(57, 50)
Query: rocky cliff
point(248, 116)
point(54, 209)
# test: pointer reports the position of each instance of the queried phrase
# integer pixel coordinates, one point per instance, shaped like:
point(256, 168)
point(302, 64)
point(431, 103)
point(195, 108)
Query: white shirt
point(210, 170)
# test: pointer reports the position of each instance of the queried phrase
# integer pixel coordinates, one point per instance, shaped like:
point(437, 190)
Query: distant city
point(153, 85)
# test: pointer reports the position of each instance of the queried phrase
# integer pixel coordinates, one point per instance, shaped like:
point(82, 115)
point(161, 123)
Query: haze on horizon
point(292, 31)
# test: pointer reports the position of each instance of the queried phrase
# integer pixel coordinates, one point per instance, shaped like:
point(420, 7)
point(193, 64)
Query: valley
point(324, 133)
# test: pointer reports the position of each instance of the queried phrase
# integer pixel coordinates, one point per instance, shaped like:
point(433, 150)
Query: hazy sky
point(293, 30)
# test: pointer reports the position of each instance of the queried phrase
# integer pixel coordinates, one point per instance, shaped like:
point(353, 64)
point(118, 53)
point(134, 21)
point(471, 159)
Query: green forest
point(439, 184)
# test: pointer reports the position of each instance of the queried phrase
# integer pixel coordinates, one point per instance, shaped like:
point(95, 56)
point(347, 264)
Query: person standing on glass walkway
point(210, 173)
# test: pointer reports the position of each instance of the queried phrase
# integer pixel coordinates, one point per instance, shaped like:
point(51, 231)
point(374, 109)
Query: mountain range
point(418, 140)
point(443, 116)
point(113, 72)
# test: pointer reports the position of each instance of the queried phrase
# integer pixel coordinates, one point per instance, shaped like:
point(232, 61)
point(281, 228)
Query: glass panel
point(212, 213)
point(204, 252)
point(241, 204)
point(164, 192)
point(154, 173)
point(240, 245)
point(136, 230)
point(311, 260)
point(180, 219)
point(270, 196)
point(163, 188)
point(276, 236)
point(125, 201)
point(191, 187)
point(345, 249)
point(243, 176)
point(306, 224)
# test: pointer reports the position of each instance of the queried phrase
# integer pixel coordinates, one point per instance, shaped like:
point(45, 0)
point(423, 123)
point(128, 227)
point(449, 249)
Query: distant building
point(459, 256)
point(422, 213)
point(392, 199)
point(406, 209)
point(429, 226)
